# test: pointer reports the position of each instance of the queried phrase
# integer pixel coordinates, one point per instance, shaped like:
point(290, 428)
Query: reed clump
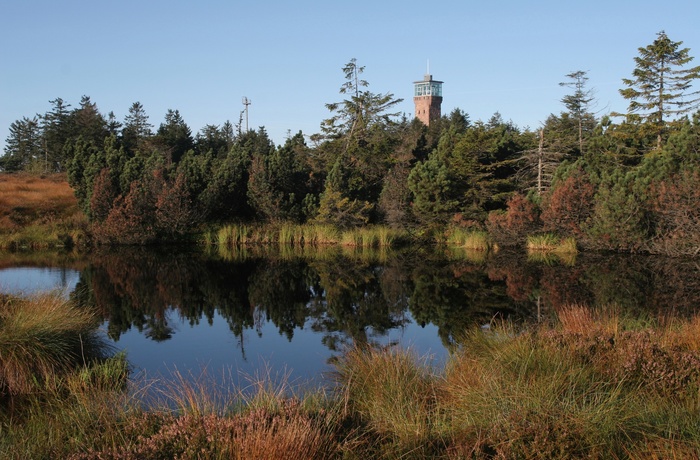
point(42, 337)
point(590, 383)
point(549, 242)
point(232, 235)
point(391, 391)
point(472, 239)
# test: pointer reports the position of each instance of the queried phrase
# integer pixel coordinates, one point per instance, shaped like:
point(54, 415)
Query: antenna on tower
point(246, 102)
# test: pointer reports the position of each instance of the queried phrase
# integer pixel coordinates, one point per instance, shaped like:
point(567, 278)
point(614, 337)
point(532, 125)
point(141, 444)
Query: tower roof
point(428, 78)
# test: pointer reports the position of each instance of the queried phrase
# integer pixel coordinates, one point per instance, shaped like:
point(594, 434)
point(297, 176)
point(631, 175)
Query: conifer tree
point(22, 146)
point(661, 86)
point(578, 103)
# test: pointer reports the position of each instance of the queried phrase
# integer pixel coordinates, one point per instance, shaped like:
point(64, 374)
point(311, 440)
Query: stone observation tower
point(427, 96)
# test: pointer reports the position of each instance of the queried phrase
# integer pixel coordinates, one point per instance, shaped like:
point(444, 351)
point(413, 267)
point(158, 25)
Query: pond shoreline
point(587, 383)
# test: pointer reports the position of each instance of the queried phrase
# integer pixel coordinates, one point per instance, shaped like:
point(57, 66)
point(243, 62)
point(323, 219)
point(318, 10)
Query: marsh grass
point(549, 242)
point(394, 394)
point(476, 240)
point(41, 337)
point(39, 212)
point(589, 383)
point(233, 235)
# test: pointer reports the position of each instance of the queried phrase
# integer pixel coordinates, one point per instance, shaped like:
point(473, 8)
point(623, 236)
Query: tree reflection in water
point(358, 298)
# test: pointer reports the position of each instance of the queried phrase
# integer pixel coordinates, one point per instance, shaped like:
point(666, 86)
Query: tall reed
point(232, 235)
point(41, 337)
point(469, 239)
point(549, 242)
point(392, 391)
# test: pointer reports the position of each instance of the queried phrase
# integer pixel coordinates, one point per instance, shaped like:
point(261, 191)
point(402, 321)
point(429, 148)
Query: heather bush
point(568, 206)
point(510, 228)
point(676, 213)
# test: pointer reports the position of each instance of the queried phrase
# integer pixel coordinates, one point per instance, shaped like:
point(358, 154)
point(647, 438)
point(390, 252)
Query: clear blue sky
point(201, 57)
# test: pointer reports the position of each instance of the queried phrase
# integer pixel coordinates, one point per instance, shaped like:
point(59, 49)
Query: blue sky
point(201, 57)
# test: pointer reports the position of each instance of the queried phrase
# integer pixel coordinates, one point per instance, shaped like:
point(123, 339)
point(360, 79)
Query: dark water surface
point(264, 311)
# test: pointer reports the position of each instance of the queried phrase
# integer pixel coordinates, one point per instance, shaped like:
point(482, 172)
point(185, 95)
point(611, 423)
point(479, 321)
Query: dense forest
point(625, 181)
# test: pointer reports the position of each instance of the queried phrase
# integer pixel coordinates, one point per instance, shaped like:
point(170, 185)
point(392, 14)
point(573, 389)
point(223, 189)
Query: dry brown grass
point(41, 337)
point(27, 199)
point(577, 319)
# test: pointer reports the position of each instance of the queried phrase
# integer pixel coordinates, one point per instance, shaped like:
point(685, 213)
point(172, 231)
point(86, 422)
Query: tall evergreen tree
point(22, 146)
point(359, 139)
point(278, 182)
point(136, 127)
point(57, 128)
point(89, 123)
point(214, 139)
point(360, 110)
point(578, 104)
point(660, 87)
point(174, 135)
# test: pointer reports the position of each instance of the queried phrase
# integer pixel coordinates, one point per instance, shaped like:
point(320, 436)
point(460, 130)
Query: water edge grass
point(232, 235)
point(42, 337)
point(549, 242)
point(589, 383)
point(472, 239)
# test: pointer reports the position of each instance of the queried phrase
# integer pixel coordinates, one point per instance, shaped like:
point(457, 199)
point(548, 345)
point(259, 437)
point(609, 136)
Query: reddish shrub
point(511, 227)
point(132, 218)
point(676, 213)
point(568, 206)
point(104, 194)
point(174, 212)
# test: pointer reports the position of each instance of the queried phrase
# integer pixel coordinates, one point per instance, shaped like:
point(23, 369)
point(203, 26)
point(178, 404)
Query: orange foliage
point(27, 199)
point(512, 227)
point(567, 208)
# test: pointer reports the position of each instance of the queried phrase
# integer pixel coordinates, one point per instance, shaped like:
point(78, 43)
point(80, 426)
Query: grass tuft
point(41, 337)
point(477, 240)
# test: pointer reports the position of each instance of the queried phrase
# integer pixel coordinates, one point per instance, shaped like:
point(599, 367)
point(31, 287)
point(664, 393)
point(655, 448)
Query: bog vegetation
point(626, 182)
point(583, 383)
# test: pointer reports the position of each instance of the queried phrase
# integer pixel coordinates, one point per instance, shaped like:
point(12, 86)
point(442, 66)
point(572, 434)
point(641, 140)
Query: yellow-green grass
point(39, 212)
point(549, 242)
point(477, 240)
point(587, 384)
point(43, 337)
point(232, 235)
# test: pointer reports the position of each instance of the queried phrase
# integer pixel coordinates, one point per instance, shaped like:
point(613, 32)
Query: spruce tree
point(578, 104)
point(660, 87)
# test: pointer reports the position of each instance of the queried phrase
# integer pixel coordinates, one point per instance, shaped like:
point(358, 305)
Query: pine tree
point(174, 136)
point(22, 146)
point(578, 104)
point(660, 87)
point(57, 128)
point(136, 127)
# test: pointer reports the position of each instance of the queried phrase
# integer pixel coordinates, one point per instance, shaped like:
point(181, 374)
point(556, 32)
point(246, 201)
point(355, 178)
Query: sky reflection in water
point(246, 315)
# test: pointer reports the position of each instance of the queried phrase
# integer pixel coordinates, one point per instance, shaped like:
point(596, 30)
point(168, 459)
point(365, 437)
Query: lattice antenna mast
point(246, 102)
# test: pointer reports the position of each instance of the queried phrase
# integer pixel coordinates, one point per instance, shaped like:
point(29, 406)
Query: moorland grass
point(233, 235)
point(588, 384)
point(477, 240)
point(39, 212)
point(43, 337)
point(593, 385)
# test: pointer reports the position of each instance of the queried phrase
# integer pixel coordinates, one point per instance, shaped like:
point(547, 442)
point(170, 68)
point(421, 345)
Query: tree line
point(624, 181)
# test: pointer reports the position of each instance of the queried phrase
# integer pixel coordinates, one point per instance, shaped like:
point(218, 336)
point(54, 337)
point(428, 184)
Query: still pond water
point(260, 312)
